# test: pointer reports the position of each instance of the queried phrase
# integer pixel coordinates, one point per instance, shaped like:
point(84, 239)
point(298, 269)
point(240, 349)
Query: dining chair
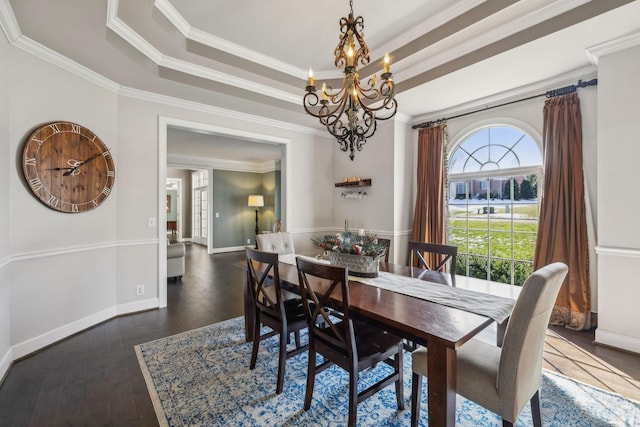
point(387, 244)
point(436, 255)
point(283, 316)
point(503, 379)
point(348, 343)
point(281, 242)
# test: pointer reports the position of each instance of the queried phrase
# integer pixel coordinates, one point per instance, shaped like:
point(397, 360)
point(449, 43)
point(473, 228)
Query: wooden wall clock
point(67, 167)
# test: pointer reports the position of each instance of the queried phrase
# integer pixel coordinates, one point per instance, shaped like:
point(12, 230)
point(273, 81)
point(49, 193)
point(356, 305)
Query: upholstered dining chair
point(341, 340)
point(271, 309)
point(437, 257)
point(281, 243)
point(503, 379)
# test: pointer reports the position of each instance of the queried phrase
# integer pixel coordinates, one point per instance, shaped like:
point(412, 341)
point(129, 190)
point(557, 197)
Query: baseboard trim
point(48, 338)
point(229, 249)
point(5, 365)
point(617, 341)
point(133, 307)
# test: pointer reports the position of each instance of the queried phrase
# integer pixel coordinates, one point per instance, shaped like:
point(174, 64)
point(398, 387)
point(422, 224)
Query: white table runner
point(496, 307)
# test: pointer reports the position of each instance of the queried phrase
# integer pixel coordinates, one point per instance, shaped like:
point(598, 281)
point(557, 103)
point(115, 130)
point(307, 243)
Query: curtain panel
point(429, 219)
point(562, 231)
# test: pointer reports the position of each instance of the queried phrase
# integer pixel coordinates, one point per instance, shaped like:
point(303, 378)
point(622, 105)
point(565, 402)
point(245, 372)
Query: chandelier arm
point(351, 114)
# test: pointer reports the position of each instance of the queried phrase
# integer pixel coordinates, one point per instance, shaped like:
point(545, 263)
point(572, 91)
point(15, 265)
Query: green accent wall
point(236, 221)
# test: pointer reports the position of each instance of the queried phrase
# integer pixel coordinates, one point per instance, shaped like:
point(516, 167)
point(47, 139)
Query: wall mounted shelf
point(361, 183)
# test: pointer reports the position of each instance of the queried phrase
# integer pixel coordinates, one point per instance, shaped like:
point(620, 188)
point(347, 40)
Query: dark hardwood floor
point(93, 378)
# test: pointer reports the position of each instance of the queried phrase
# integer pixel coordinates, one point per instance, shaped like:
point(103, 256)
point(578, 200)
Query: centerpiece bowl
point(360, 253)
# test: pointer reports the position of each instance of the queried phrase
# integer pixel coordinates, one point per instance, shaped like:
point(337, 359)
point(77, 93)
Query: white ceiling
point(447, 56)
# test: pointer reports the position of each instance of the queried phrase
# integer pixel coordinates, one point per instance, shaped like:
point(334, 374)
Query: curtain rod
point(549, 94)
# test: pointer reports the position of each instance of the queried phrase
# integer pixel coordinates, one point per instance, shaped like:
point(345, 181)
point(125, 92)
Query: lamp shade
point(256, 201)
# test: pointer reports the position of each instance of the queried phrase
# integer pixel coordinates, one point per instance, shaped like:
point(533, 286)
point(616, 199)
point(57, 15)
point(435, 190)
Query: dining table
point(441, 327)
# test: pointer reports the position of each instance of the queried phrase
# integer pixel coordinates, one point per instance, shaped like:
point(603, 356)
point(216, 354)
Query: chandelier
point(351, 112)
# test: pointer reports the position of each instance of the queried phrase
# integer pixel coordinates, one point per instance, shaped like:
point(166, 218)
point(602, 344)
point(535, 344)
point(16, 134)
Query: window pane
point(493, 220)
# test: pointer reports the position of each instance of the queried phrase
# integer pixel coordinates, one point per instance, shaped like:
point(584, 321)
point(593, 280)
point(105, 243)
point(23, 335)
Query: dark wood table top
point(413, 318)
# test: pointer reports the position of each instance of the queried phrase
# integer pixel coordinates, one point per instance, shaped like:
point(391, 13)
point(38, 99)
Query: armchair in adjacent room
point(175, 260)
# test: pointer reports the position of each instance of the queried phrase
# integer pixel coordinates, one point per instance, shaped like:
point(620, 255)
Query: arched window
point(493, 180)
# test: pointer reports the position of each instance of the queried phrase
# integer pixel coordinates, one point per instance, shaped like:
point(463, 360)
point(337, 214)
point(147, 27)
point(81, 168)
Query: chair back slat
point(325, 295)
point(387, 246)
point(442, 257)
point(265, 282)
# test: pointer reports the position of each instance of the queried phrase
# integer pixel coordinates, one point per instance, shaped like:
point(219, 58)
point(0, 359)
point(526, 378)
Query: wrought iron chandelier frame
point(351, 113)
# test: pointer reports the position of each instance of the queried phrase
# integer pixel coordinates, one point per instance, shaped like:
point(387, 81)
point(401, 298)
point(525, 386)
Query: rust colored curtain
point(562, 232)
point(429, 222)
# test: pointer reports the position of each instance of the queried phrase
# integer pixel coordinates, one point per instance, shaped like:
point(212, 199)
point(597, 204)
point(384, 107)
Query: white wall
point(61, 273)
point(5, 219)
point(618, 201)
point(62, 265)
point(375, 161)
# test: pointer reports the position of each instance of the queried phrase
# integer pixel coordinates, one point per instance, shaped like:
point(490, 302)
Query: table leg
point(441, 385)
point(249, 310)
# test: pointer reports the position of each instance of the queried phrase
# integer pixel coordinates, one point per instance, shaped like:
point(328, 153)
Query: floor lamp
point(256, 201)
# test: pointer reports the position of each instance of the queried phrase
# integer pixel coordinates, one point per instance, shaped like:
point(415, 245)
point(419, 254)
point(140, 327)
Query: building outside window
point(493, 179)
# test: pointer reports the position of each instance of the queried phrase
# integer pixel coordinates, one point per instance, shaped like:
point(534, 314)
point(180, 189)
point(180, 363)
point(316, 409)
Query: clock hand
point(74, 168)
point(58, 169)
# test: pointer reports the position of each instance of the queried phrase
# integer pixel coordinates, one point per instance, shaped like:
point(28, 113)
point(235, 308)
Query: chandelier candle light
point(350, 113)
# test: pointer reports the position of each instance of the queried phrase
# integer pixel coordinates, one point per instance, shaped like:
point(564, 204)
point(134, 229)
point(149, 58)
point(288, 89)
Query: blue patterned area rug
point(202, 377)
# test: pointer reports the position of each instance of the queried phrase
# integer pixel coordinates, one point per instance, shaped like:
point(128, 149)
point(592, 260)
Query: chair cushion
point(371, 340)
point(477, 372)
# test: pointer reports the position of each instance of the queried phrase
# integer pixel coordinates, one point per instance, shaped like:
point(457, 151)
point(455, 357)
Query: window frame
point(465, 179)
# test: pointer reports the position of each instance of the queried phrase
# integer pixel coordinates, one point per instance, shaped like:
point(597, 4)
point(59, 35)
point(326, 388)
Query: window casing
point(492, 207)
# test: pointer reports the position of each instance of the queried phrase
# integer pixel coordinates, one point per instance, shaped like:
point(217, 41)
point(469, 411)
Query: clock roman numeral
point(53, 201)
point(106, 191)
point(111, 173)
point(35, 183)
point(74, 208)
point(75, 128)
point(39, 141)
point(55, 128)
point(106, 153)
point(30, 161)
point(94, 203)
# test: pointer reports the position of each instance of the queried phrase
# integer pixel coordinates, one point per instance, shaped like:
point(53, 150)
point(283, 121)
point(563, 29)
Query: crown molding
point(65, 63)
point(8, 21)
point(426, 26)
point(120, 28)
point(48, 55)
point(510, 95)
point(612, 46)
point(445, 50)
point(197, 162)
point(217, 111)
point(207, 39)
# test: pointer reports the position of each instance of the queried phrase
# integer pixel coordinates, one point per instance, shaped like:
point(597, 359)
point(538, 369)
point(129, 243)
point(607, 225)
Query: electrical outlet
point(140, 290)
point(248, 241)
